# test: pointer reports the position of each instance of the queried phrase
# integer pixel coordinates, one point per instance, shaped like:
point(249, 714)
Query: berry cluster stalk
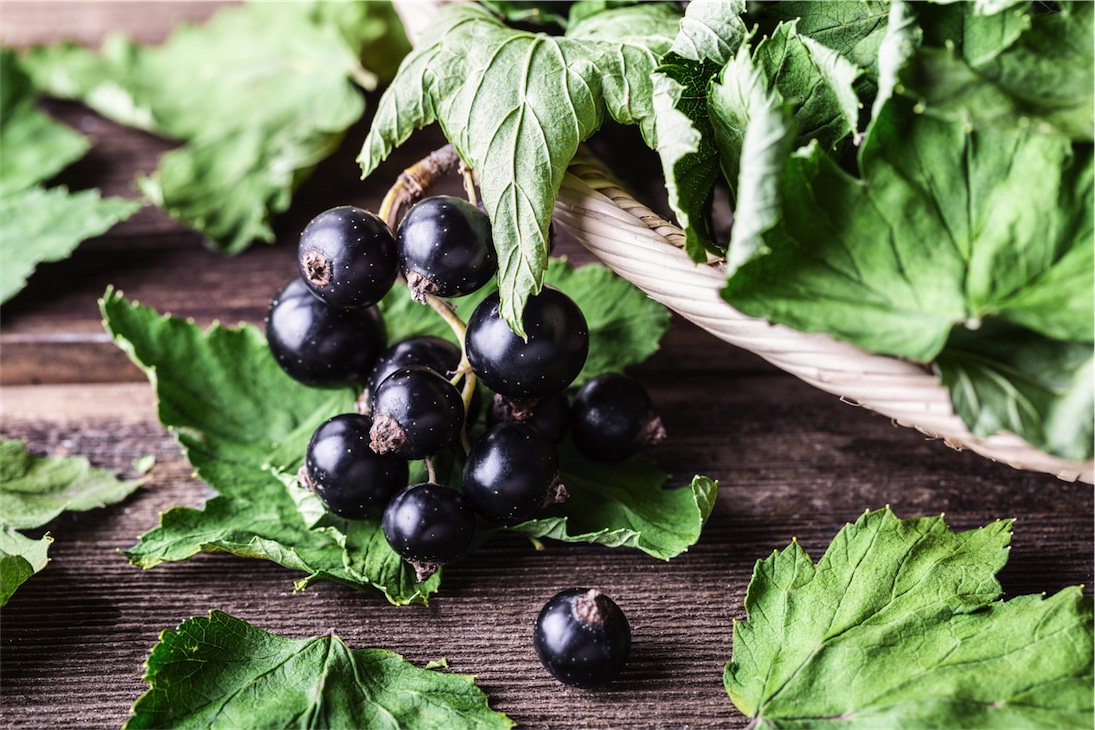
point(410, 185)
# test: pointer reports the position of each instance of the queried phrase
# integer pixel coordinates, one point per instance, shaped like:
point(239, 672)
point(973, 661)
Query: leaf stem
point(469, 183)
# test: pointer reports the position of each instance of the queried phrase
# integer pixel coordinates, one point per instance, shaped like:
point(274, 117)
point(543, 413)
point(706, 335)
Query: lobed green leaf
point(222, 672)
point(900, 624)
point(516, 105)
point(279, 78)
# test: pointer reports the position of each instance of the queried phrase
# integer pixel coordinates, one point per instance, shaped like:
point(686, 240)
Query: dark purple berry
point(351, 479)
point(583, 638)
point(416, 413)
point(541, 365)
point(512, 473)
point(445, 247)
point(612, 418)
point(428, 525)
point(320, 345)
point(347, 256)
point(435, 353)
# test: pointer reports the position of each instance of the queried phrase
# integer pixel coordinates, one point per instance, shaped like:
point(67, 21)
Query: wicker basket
point(646, 250)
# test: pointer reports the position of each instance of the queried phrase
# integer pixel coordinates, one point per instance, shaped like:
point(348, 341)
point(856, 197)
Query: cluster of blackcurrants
point(420, 395)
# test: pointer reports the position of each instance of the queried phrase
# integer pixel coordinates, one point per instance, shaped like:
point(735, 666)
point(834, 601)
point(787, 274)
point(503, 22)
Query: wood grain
point(793, 463)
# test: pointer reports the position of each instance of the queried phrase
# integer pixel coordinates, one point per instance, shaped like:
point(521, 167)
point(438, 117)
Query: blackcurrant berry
point(528, 369)
point(416, 413)
point(582, 637)
point(428, 525)
point(549, 415)
point(351, 479)
point(321, 345)
point(347, 256)
point(512, 472)
point(445, 247)
point(612, 418)
point(435, 353)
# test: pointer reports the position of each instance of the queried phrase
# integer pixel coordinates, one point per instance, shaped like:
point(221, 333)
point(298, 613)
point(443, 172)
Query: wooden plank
point(793, 464)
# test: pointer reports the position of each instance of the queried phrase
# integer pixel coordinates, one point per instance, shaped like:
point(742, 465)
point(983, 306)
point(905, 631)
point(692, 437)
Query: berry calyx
point(511, 473)
point(528, 369)
point(347, 257)
point(319, 345)
point(416, 413)
point(613, 418)
point(445, 247)
point(582, 637)
point(428, 525)
point(342, 470)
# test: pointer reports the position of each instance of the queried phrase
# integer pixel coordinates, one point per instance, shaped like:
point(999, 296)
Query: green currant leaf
point(33, 146)
point(516, 105)
point(855, 28)
point(215, 395)
point(710, 34)
point(222, 672)
point(35, 489)
point(1015, 66)
point(625, 504)
point(20, 558)
point(277, 78)
point(1006, 378)
point(901, 624)
point(39, 225)
point(754, 133)
point(947, 228)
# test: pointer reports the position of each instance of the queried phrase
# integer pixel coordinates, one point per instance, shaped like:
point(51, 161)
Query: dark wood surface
point(792, 463)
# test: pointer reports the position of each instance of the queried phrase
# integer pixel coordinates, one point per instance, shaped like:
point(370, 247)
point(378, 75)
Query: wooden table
point(792, 462)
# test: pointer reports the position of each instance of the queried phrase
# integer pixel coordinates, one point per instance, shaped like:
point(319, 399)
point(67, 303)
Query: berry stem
point(415, 181)
point(431, 473)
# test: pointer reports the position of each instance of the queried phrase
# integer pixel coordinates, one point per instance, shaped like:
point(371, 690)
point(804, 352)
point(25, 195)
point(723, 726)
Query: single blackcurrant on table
point(320, 345)
point(347, 257)
point(340, 467)
point(428, 524)
point(445, 248)
point(527, 369)
point(512, 473)
point(582, 637)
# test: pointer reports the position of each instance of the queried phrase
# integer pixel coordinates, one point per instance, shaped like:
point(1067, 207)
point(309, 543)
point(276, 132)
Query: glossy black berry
point(416, 413)
point(428, 525)
point(351, 479)
point(546, 363)
point(347, 256)
point(612, 418)
point(435, 353)
point(550, 415)
point(583, 638)
point(445, 247)
point(512, 472)
point(321, 345)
